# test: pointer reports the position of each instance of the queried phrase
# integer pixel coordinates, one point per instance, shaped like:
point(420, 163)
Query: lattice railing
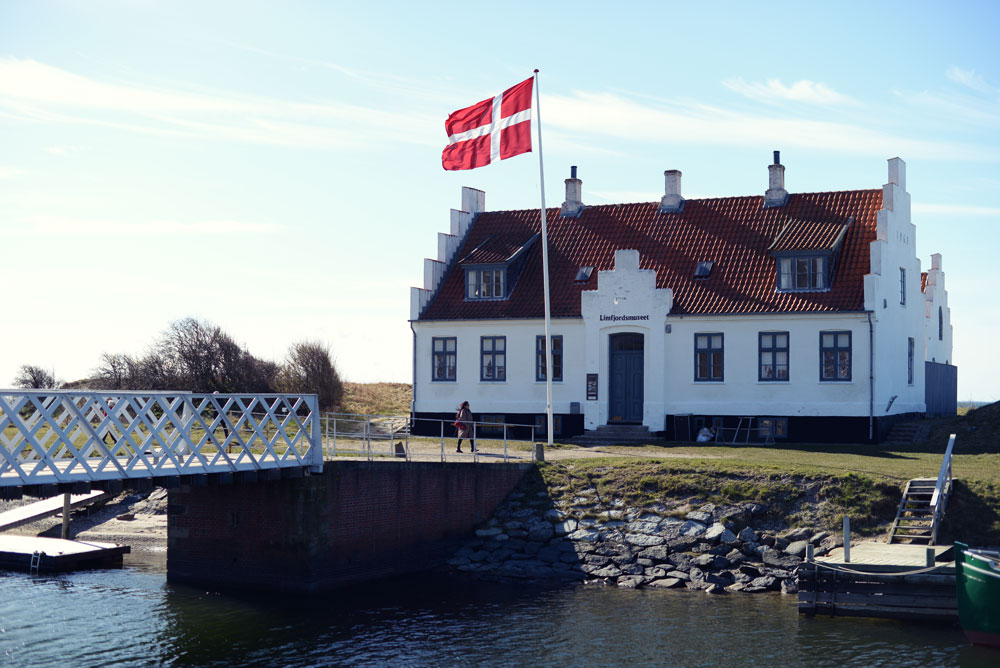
point(49, 436)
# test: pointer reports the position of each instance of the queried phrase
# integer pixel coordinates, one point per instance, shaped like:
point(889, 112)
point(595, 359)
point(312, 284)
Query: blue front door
point(625, 373)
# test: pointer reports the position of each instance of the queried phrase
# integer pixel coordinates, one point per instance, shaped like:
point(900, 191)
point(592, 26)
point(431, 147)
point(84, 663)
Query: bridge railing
point(424, 439)
point(64, 436)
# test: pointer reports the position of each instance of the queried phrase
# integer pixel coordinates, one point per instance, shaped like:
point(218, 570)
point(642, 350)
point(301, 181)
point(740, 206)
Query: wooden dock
point(881, 580)
point(39, 510)
point(58, 555)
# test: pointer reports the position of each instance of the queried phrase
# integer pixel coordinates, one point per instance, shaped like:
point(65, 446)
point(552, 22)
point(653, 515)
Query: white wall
point(936, 297)
point(893, 248)
point(741, 393)
point(520, 392)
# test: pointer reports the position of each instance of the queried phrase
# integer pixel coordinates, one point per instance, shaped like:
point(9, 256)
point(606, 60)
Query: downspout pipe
point(413, 386)
point(871, 378)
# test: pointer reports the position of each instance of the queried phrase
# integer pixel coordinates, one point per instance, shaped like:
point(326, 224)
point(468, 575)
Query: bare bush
point(30, 377)
point(309, 369)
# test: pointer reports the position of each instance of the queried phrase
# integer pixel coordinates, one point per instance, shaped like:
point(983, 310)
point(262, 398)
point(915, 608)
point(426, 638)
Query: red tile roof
point(736, 233)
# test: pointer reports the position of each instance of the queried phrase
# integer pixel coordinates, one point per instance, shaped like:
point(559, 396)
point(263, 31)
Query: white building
point(802, 315)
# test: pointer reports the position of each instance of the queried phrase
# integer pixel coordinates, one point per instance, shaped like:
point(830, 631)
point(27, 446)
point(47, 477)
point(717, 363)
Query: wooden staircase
point(914, 521)
point(923, 506)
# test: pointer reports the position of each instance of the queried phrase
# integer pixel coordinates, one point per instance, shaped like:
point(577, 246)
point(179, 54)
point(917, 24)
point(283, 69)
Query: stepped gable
point(737, 234)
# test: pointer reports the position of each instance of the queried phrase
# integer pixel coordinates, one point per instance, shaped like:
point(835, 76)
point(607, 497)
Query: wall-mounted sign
point(592, 386)
point(611, 317)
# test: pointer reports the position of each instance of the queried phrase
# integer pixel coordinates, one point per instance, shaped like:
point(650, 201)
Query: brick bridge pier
point(356, 521)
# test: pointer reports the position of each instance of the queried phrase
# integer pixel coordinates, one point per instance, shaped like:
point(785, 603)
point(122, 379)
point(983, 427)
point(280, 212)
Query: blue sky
point(275, 167)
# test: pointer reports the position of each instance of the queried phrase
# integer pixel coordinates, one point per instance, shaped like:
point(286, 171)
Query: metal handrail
point(939, 500)
point(362, 431)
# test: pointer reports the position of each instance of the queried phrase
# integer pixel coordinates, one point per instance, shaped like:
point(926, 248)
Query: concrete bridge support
point(356, 521)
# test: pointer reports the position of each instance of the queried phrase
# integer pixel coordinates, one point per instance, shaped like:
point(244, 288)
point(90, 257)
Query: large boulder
point(643, 540)
point(657, 553)
point(719, 533)
point(797, 548)
point(588, 535)
point(747, 535)
point(666, 583)
point(779, 560)
point(699, 516)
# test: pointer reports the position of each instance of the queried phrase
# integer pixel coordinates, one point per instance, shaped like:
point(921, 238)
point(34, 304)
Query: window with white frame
point(443, 358)
point(493, 358)
point(773, 354)
point(485, 283)
point(708, 357)
point(557, 358)
point(835, 356)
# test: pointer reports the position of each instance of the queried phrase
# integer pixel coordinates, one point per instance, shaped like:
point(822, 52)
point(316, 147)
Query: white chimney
point(776, 195)
point(573, 206)
point(672, 201)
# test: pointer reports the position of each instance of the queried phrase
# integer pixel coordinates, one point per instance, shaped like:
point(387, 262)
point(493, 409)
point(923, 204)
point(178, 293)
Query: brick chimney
point(672, 201)
point(775, 195)
point(573, 206)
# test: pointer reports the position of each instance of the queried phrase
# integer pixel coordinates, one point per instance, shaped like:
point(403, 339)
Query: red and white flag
point(494, 129)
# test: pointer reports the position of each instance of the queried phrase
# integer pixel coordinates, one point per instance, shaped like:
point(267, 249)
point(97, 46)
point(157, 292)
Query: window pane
point(499, 343)
point(702, 365)
point(829, 368)
point(717, 365)
point(828, 340)
point(767, 358)
point(472, 293)
point(802, 272)
point(844, 365)
point(438, 344)
point(781, 359)
point(819, 270)
point(781, 341)
point(701, 341)
point(717, 341)
point(500, 367)
point(450, 345)
point(557, 343)
point(843, 340)
point(786, 274)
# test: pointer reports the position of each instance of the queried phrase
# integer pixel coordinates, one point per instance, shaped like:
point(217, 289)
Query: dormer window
point(803, 272)
point(485, 283)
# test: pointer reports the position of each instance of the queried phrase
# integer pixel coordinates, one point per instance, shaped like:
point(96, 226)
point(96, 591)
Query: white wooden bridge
point(75, 438)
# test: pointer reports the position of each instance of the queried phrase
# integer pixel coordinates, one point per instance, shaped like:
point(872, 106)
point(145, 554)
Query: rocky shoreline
point(718, 549)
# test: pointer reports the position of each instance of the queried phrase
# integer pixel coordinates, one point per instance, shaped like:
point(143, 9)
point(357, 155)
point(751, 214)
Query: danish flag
point(494, 129)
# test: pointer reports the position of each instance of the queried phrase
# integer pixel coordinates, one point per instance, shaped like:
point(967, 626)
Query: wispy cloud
point(10, 172)
point(63, 226)
point(61, 150)
point(695, 123)
point(956, 210)
point(971, 79)
point(774, 91)
point(30, 90)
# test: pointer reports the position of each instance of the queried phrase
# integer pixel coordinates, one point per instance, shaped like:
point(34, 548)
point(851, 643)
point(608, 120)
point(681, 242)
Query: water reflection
point(131, 617)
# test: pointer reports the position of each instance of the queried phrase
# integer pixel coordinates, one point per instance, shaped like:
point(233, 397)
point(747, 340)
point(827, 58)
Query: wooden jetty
point(46, 555)
point(39, 510)
point(897, 581)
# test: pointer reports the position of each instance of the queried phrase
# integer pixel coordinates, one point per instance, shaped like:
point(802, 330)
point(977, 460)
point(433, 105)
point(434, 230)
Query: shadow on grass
point(973, 514)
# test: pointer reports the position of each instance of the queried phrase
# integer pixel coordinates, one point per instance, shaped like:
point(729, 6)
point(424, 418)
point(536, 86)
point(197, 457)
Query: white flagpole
point(545, 275)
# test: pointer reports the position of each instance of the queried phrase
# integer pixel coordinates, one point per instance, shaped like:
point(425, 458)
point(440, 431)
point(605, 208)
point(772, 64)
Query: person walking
point(463, 425)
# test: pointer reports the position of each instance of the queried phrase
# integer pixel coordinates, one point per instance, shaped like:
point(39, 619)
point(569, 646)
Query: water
point(132, 617)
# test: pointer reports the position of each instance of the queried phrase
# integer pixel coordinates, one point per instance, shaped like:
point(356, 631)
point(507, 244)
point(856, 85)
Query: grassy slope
point(815, 484)
point(376, 398)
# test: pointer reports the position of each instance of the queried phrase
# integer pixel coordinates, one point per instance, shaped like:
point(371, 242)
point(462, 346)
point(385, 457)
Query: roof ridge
point(699, 199)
